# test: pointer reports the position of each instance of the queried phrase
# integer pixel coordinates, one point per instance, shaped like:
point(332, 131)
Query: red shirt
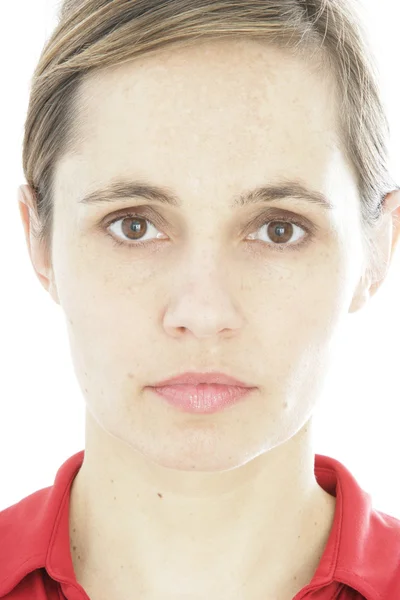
point(361, 560)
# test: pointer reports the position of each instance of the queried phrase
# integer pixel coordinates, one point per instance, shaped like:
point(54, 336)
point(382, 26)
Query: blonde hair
point(92, 34)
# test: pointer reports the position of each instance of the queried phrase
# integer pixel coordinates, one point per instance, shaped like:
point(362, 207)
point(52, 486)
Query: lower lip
point(202, 398)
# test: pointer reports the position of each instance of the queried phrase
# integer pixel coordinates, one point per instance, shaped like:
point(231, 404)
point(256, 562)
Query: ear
point(387, 238)
point(36, 249)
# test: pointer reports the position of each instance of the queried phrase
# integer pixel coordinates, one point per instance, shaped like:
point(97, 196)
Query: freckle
point(73, 547)
point(74, 530)
point(85, 389)
point(115, 497)
point(79, 558)
point(112, 480)
point(160, 495)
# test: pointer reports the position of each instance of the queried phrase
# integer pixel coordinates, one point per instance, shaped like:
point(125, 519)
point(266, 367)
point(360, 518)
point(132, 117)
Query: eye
point(134, 227)
point(281, 232)
point(135, 230)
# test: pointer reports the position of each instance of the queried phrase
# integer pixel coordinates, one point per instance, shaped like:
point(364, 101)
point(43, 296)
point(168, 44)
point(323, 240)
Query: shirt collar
point(363, 550)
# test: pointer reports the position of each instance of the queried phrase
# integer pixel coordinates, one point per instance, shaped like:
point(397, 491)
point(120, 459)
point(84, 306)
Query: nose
point(202, 304)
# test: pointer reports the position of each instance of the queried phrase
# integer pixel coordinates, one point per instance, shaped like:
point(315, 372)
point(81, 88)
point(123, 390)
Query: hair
point(93, 34)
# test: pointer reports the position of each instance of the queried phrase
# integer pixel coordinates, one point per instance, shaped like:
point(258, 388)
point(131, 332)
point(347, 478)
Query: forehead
point(196, 85)
point(212, 109)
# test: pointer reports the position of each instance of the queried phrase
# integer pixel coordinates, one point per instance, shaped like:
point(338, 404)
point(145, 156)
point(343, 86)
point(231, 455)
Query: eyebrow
point(122, 188)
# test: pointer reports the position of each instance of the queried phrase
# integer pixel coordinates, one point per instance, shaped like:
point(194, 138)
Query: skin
point(169, 504)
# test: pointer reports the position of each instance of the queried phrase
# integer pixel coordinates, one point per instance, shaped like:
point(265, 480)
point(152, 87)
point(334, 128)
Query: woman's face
point(210, 288)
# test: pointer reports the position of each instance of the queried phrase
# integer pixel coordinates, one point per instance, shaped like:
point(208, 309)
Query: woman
point(207, 199)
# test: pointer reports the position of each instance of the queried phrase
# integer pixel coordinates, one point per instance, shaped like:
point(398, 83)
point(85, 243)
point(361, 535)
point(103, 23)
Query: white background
point(42, 408)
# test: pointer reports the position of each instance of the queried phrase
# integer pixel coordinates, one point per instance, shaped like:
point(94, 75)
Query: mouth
point(211, 377)
point(204, 398)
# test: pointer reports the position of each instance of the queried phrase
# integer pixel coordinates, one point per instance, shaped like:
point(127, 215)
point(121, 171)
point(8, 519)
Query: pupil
point(136, 227)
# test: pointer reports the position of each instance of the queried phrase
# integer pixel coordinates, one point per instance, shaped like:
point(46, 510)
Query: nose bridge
point(202, 298)
point(206, 258)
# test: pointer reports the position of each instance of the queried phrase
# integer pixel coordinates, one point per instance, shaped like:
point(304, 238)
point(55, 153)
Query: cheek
point(115, 304)
point(292, 309)
point(119, 303)
point(109, 325)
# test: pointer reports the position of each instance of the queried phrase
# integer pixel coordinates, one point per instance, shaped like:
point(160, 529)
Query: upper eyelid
point(143, 211)
point(148, 211)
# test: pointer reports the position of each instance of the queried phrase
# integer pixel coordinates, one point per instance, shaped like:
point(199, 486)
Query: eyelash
point(309, 229)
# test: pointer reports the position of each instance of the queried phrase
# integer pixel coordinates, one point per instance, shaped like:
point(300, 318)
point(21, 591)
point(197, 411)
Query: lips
point(195, 378)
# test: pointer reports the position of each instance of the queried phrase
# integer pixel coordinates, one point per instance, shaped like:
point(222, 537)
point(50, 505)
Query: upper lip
point(194, 378)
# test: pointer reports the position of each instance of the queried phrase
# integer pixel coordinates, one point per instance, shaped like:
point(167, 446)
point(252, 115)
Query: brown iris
point(135, 229)
point(276, 231)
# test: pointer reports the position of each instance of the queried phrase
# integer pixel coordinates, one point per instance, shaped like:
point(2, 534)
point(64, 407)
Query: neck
point(243, 527)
